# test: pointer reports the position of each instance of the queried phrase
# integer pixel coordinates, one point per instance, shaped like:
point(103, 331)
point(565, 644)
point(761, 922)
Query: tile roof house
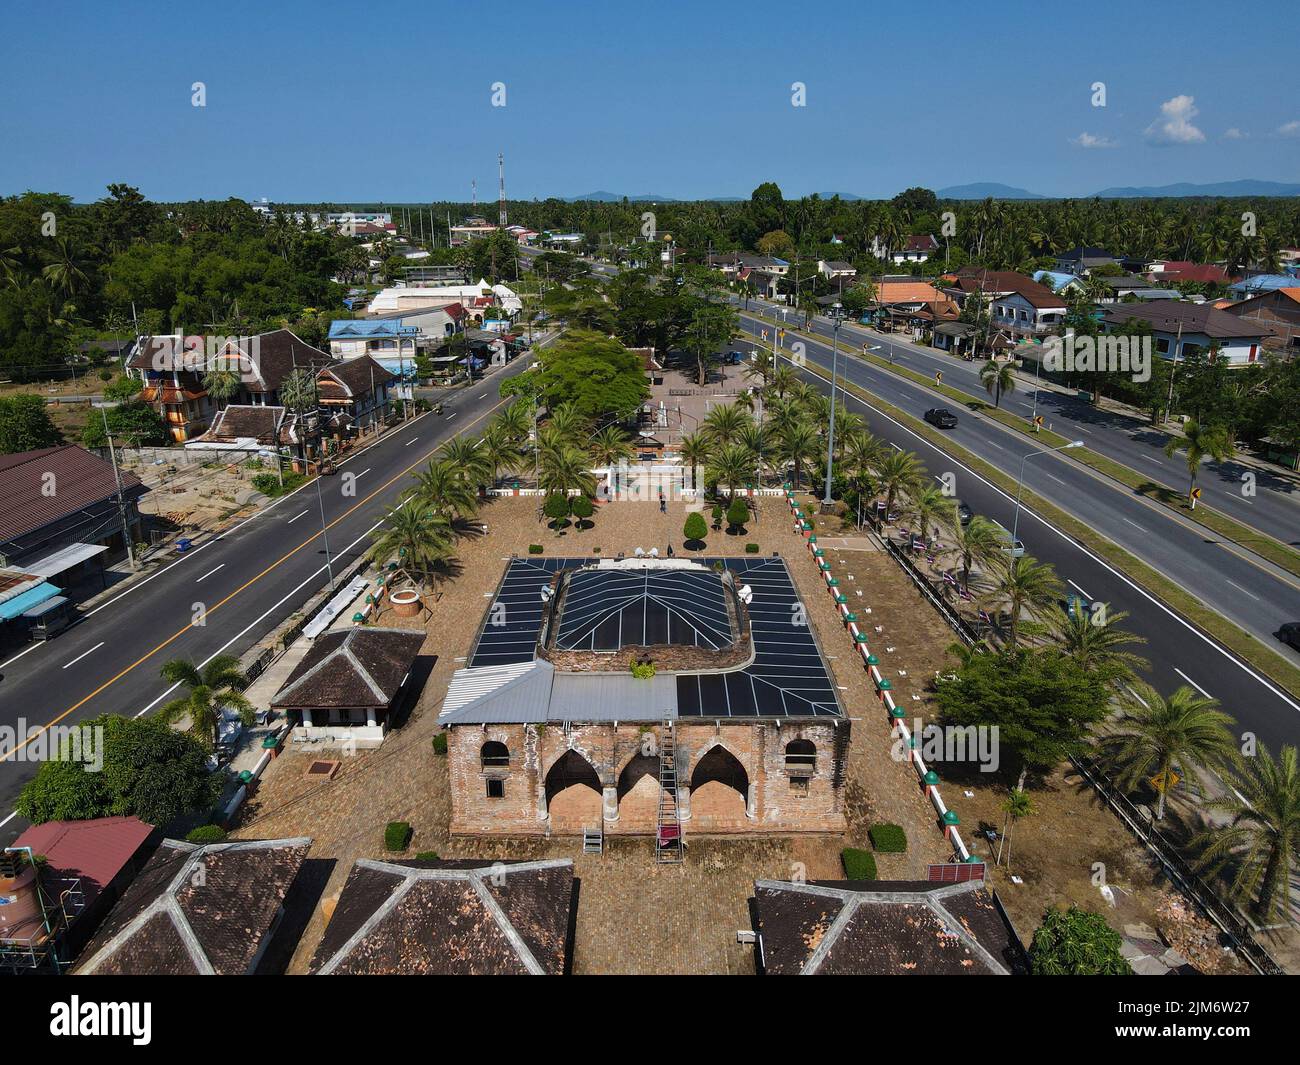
point(245, 423)
point(82, 511)
point(355, 392)
point(346, 685)
point(1028, 309)
point(1182, 328)
point(198, 910)
point(451, 918)
point(1167, 271)
point(1257, 283)
point(1280, 311)
point(1080, 259)
point(883, 928)
point(916, 249)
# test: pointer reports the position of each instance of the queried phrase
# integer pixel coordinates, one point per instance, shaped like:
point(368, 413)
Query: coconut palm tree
point(1026, 586)
point(1095, 641)
point(1018, 805)
point(695, 450)
point(440, 488)
point(978, 543)
point(997, 378)
point(416, 536)
point(723, 423)
point(565, 423)
point(1154, 738)
point(610, 446)
point(499, 450)
point(929, 507)
point(897, 471)
point(68, 275)
point(567, 467)
point(516, 421)
point(298, 391)
point(797, 445)
point(1263, 837)
point(209, 690)
point(733, 464)
point(1199, 442)
point(467, 459)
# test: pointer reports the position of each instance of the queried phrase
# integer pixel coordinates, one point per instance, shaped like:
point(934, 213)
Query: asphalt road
point(246, 581)
point(1274, 509)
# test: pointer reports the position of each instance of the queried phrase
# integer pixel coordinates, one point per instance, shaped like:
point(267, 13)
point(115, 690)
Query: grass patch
point(440, 743)
point(269, 484)
point(858, 864)
point(397, 835)
point(1236, 640)
point(887, 838)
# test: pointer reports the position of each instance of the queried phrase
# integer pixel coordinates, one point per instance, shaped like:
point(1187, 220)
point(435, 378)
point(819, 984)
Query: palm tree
point(1199, 442)
point(68, 274)
point(997, 378)
point(1095, 641)
point(733, 464)
point(1026, 586)
point(1263, 837)
point(898, 471)
point(416, 536)
point(209, 690)
point(723, 423)
point(441, 488)
point(610, 446)
point(298, 391)
point(566, 467)
point(695, 450)
point(499, 450)
point(1154, 738)
point(978, 543)
point(1018, 805)
point(798, 444)
point(782, 380)
point(929, 507)
point(221, 385)
point(516, 421)
point(467, 459)
point(566, 423)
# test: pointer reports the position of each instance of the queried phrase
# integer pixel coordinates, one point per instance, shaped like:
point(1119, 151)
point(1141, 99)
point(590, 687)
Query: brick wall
point(715, 805)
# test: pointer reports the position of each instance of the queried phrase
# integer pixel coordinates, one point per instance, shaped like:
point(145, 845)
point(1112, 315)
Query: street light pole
point(1020, 484)
point(837, 316)
point(324, 530)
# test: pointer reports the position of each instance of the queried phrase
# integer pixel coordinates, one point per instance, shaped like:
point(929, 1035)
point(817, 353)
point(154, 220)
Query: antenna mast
point(501, 180)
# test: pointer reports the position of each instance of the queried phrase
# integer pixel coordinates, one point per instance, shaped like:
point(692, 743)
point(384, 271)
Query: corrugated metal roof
point(518, 692)
point(613, 697)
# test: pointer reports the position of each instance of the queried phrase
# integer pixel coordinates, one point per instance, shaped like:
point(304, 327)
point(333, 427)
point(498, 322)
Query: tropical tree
point(1199, 442)
point(441, 488)
point(1018, 805)
point(610, 446)
point(566, 467)
point(1025, 586)
point(997, 378)
point(798, 444)
point(499, 450)
point(979, 542)
point(695, 449)
point(1262, 839)
point(783, 379)
point(732, 465)
point(1093, 638)
point(897, 471)
point(723, 423)
point(220, 385)
point(415, 536)
point(467, 459)
point(1076, 943)
point(929, 507)
point(217, 686)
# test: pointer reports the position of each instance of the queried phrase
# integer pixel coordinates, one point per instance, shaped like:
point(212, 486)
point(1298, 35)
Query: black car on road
point(964, 513)
point(1289, 634)
point(941, 418)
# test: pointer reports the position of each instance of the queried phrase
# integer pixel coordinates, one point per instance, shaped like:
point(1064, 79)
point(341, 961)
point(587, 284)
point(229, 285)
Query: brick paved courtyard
point(634, 916)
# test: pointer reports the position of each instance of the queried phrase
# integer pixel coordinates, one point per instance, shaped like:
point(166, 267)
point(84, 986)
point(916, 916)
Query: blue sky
point(392, 101)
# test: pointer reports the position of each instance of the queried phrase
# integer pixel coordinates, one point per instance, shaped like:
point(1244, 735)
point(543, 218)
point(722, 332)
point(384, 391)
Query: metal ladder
point(669, 848)
point(593, 839)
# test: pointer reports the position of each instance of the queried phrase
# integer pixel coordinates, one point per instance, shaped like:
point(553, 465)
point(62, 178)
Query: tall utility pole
point(121, 501)
point(501, 189)
point(837, 316)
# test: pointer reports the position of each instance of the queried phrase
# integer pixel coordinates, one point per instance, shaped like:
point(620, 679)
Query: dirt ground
point(195, 496)
point(634, 916)
point(72, 412)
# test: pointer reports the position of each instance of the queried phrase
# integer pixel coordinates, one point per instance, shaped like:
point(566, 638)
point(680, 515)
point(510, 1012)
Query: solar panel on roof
point(604, 610)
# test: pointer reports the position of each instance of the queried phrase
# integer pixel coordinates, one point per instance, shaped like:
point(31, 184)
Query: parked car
point(941, 418)
point(964, 513)
point(1289, 634)
point(1077, 605)
point(1013, 547)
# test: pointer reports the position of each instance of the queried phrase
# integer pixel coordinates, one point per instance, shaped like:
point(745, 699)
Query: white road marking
point(84, 653)
point(1135, 525)
point(411, 441)
point(1056, 479)
point(1192, 683)
point(1080, 590)
point(295, 517)
point(1228, 580)
point(452, 415)
point(210, 573)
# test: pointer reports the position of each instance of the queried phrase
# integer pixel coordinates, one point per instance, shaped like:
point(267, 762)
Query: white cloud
point(1174, 126)
point(1289, 129)
point(1089, 140)
point(1235, 134)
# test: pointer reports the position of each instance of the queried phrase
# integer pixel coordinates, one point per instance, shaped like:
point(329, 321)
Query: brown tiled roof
point(906, 292)
point(197, 909)
point(243, 420)
point(893, 928)
point(355, 376)
point(975, 279)
point(920, 242)
point(458, 918)
point(1167, 316)
point(360, 667)
point(80, 480)
point(278, 353)
point(1035, 294)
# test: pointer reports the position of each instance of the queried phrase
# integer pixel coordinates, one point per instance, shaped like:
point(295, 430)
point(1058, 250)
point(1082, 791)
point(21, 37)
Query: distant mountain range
point(980, 190)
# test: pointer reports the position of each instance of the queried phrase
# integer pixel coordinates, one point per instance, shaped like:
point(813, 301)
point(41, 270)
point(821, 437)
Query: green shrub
point(427, 856)
point(556, 507)
point(121, 389)
point(582, 508)
point(643, 670)
point(397, 835)
point(717, 514)
point(751, 549)
point(858, 864)
point(440, 743)
point(534, 549)
point(887, 838)
point(695, 527)
point(206, 834)
point(737, 513)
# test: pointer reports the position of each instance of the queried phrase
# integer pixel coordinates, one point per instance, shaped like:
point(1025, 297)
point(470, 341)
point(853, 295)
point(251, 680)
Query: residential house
point(475, 298)
point(69, 532)
point(953, 337)
point(1280, 311)
point(1257, 283)
point(1028, 310)
point(1124, 285)
point(1180, 329)
point(172, 368)
point(834, 270)
point(883, 928)
point(1080, 260)
point(1060, 282)
point(354, 395)
point(348, 683)
point(452, 918)
point(917, 248)
point(1169, 271)
point(391, 341)
point(198, 910)
point(985, 284)
point(265, 361)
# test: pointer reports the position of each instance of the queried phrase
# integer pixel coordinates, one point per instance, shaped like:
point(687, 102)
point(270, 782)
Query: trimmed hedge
point(206, 834)
point(858, 864)
point(397, 835)
point(887, 838)
point(440, 743)
point(427, 856)
point(534, 549)
point(751, 549)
